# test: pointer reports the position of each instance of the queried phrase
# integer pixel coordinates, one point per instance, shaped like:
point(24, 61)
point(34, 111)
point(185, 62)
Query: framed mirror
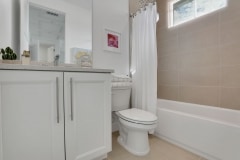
point(56, 27)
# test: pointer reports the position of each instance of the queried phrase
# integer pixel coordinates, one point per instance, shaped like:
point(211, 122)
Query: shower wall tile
point(192, 41)
point(163, 20)
point(209, 57)
point(200, 24)
point(231, 77)
point(226, 15)
point(230, 54)
point(199, 61)
point(229, 32)
point(162, 6)
point(167, 33)
point(168, 46)
point(168, 78)
point(168, 92)
point(133, 6)
point(230, 98)
point(200, 77)
point(233, 3)
point(200, 95)
point(163, 14)
point(231, 12)
point(169, 62)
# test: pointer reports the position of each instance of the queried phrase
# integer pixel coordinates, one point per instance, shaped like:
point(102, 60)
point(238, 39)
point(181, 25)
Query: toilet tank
point(121, 98)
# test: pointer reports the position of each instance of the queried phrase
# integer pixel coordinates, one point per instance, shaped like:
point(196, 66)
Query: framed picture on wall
point(112, 41)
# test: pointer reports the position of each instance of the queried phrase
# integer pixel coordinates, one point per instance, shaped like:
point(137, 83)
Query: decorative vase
point(25, 60)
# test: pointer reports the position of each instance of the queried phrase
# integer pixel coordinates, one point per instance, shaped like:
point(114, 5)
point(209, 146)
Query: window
point(184, 10)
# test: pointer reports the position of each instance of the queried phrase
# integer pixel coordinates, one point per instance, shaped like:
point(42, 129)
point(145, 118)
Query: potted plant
point(8, 54)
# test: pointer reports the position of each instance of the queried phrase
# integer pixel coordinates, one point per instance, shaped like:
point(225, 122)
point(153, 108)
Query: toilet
point(134, 124)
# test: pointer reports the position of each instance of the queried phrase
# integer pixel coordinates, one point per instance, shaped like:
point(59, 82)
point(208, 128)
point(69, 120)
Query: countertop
point(60, 68)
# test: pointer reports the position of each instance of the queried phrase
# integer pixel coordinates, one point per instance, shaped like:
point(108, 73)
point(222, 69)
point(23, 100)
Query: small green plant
point(8, 54)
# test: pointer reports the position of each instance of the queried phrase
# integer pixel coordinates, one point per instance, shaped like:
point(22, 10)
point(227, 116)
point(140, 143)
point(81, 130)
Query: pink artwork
point(112, 40)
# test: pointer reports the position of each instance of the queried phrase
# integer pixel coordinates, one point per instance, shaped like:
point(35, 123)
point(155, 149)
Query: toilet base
point(134, 137)
point(137, 153)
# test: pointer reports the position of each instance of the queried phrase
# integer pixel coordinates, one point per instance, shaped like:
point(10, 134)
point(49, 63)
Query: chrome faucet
point(56, 59)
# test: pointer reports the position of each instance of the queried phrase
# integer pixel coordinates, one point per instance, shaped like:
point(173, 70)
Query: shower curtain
point(144, 59)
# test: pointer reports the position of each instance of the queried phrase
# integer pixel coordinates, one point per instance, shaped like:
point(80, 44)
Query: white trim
point(101, 157)
point(170, 13)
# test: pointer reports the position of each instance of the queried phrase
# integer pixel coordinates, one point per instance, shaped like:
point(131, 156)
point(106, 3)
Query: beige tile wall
point(199, 61)
point(133, 6)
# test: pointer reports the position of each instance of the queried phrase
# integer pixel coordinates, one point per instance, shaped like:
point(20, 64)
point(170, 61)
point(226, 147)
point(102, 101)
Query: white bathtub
point(211, 132)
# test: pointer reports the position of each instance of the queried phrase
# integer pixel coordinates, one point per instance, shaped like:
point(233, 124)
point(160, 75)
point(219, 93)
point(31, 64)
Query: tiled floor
point(160, 150)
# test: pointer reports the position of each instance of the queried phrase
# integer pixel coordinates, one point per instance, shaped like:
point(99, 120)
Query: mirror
point(56, 27)
point(47, 34)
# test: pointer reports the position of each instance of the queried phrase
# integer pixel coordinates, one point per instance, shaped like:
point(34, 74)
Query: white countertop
point(60, 68)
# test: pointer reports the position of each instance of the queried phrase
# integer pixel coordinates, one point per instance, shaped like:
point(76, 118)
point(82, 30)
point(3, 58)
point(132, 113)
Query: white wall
point(5, 16)
point(114, 15)
point(9, 28)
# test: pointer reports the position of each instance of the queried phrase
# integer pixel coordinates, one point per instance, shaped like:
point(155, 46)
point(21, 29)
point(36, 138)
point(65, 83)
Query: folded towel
point(120, 78)
point(121, 84)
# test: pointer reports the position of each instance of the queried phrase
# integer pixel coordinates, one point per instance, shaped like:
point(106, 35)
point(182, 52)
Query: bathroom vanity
point(54, 113)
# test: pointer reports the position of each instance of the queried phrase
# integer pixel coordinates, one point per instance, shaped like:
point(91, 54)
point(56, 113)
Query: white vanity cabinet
point(87, 115)
point(47, 115)
point(29, 107)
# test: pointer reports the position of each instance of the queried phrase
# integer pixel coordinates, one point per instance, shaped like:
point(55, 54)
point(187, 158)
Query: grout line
point(220, 59)
point(179, 61)
point(196, 86)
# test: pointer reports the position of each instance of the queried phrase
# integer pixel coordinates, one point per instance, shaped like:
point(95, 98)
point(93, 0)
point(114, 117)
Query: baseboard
point(188, 148)
point(114, 127)
point(103, 157)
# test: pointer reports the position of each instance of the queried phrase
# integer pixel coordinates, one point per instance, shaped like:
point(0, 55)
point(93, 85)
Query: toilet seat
point(138, 116)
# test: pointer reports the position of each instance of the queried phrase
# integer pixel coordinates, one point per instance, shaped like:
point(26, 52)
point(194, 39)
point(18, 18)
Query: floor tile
point(159, 150)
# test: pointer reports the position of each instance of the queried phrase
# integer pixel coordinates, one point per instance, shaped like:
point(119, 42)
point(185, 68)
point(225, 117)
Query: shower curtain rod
point(142, 5)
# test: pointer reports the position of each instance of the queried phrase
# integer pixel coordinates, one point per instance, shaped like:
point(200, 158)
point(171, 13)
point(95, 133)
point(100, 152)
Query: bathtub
point(211, 132)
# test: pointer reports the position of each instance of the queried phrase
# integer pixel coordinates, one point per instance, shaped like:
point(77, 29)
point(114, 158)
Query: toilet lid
point(138, 116)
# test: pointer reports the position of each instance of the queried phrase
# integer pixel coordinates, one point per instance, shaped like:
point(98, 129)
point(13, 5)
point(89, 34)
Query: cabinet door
point(87, 115)
point(30, 105)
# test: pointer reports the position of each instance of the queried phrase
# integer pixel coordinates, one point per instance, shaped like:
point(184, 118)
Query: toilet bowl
point(134, 124)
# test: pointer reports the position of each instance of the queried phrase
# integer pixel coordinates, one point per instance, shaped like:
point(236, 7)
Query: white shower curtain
point(144, 59)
